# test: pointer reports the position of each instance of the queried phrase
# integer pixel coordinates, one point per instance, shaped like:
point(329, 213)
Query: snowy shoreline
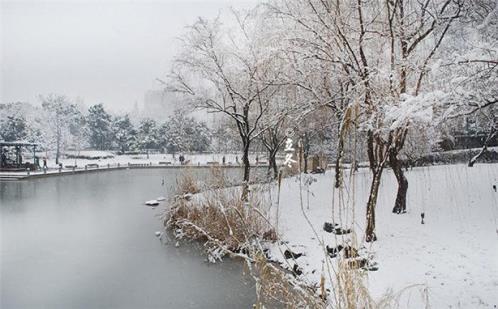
point(23, 175)
point(99, 161)
point(449, 261)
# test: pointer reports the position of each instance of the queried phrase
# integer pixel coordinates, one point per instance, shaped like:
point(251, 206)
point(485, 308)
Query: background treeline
point(60, 125)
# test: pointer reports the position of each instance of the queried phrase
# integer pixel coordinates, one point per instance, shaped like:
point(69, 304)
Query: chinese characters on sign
point(289, 150)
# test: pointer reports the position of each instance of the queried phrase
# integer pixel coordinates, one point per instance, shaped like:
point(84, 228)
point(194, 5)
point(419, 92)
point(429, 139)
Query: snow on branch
point(419, 109)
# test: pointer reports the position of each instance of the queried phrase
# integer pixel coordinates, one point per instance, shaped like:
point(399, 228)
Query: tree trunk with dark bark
point(305, 151)
point(338, 171)
point(272, 164)
point(247, 171)
point(371, 205)
point(395, 163)
point(58, 150)
point(400, 203)
point(377, 150)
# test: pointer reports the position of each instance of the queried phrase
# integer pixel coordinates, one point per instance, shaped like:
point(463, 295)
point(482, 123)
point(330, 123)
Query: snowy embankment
point(102, 158)
point(454, 254)
point(456, 156)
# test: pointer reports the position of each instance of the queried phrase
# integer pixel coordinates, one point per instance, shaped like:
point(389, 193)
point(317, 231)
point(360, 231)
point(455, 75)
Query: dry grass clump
point(221, 220)
point(187, 183)
point(217, 178)
point(226, 224)
point(349, 290)
point(278, 288)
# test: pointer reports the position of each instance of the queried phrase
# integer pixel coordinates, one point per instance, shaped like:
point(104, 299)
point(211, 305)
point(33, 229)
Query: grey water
point(87, 241)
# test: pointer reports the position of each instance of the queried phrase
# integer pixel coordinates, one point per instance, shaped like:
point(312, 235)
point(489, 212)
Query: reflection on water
point(87, 241)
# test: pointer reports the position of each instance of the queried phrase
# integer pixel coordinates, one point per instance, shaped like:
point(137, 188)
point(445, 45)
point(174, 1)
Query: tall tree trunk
point(305, 152)
point(371, 204)
point(340, 153)
point(377, 154)
point(57, 151)
point(275, 167)
point(370, 150)
point(272, 163)
point(270, 167)
point(400, 203)
point(395, 163)
point(247, 170)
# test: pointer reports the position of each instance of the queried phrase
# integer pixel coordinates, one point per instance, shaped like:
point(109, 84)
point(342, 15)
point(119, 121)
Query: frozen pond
point(87, 241)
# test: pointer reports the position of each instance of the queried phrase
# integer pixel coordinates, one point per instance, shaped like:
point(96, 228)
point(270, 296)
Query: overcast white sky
point(106, 51)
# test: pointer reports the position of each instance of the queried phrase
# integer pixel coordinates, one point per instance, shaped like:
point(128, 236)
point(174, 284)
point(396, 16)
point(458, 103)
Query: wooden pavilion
point(11, 156)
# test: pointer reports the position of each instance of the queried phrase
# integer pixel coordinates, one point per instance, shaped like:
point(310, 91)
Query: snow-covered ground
point(454, 254)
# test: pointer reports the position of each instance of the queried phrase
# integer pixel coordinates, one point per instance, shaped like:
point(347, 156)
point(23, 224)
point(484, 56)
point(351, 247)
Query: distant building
point(471, 131)
point(159, 104)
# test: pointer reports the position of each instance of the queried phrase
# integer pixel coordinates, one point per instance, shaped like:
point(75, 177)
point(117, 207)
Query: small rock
point(291, 255)
point(341, 231)
point(371, 266)
point(158, 234)
point(329, 227)
point(334, 251)
point(297, 270)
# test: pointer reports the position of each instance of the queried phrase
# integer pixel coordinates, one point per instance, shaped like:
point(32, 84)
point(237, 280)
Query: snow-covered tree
point(35, 122)
point(78, 131)
point(230, 71)
point(60, 114)
point(147, 136)
point(182, 133)
point(225, 137)
point(376, 55)
point(200, 136)
point(13, 128)
point(99, 127)
point(124, 133)
point(467, 72)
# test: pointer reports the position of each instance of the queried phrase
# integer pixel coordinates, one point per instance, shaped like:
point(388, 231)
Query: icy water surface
point(87, 241)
